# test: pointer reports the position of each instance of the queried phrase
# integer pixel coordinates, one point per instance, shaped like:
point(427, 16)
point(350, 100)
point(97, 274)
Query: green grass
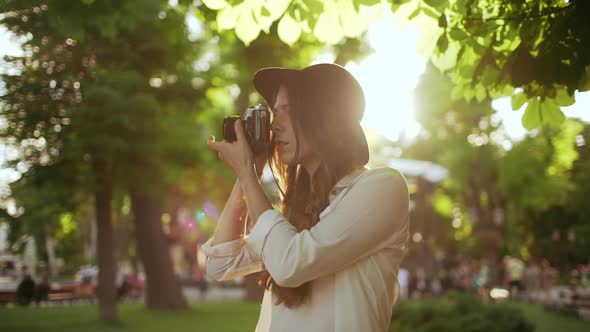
point(550, 321)
point(226, 316)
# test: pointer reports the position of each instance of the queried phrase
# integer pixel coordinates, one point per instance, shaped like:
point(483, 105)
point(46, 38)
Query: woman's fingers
point(216, 146)
point(236, 155)
point(239, 128)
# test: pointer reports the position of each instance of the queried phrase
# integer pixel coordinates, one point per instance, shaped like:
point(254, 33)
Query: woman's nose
point(274, 126)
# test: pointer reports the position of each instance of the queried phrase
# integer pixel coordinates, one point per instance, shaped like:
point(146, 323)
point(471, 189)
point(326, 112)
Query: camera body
point(256, 125)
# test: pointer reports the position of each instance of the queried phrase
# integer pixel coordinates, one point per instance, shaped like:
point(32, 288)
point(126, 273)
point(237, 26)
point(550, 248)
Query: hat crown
point(335, 82)
point(332, 81)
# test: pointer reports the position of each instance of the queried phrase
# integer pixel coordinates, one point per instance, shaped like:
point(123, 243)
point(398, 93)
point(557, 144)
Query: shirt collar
point(348, 179)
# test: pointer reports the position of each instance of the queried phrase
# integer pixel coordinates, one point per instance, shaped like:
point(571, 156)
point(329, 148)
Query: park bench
point(582, 303)
point(61, 297)
point(59, 293)
point(564, 299)
point(7, 297)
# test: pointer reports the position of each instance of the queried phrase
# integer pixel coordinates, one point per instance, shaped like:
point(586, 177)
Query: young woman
point(331, 253)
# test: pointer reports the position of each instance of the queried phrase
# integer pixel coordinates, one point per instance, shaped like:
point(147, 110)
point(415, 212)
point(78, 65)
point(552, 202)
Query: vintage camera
point(257, 127)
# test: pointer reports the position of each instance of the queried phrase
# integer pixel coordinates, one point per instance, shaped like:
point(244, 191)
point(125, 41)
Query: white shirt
point(351, 257)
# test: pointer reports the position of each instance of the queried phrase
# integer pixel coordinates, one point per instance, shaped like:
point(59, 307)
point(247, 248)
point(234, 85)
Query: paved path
point(214, 294)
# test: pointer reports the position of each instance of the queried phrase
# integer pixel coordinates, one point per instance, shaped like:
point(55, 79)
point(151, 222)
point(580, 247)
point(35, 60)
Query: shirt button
point(334, 192)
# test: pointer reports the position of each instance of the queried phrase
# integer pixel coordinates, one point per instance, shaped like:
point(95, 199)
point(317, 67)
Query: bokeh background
point(107, 189)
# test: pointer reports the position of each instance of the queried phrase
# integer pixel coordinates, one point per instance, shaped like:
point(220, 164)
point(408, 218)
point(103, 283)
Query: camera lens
point(229, 132)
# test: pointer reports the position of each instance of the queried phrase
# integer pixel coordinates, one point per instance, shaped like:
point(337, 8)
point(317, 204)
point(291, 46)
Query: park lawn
point(226, 316)
point(550, 321)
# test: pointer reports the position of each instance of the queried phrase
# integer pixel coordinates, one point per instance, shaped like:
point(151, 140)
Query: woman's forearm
point(256, 199)
point(231, 223)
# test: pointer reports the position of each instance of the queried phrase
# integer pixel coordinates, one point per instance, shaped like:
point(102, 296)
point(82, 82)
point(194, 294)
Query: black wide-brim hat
point(332, 81)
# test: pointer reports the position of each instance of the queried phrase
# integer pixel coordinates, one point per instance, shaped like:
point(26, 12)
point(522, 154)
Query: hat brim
point(268, 80)
point(362, 150)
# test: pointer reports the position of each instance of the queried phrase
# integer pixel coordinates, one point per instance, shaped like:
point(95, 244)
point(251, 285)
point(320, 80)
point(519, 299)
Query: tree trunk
point(107, 302)
point(50, 248)
point(163, 288)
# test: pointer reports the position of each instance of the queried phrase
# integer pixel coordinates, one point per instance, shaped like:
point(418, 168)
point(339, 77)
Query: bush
point(461, 313)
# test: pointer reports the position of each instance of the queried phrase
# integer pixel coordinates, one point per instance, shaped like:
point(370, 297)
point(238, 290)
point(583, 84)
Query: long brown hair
point(314, 116)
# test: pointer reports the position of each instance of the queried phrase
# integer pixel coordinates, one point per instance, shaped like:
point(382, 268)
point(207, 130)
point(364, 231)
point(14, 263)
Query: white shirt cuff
point(264, 225)
point(225, 249)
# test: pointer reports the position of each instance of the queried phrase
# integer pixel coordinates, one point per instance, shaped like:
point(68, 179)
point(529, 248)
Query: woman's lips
point(282, 145)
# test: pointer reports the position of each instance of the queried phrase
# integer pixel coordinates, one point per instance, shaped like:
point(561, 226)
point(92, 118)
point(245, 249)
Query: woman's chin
point(288, 159)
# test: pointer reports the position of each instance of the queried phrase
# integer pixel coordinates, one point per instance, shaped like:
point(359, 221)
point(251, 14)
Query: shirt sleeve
point(371, 212)
point(230, 260)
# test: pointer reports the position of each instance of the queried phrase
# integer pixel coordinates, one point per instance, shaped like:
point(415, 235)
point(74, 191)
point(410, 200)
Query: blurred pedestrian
point(42, 289)
point(26, 288)
point(549, 274)
point(124, 289)
point(532, 277)
point(482, 280)
point(515, 271)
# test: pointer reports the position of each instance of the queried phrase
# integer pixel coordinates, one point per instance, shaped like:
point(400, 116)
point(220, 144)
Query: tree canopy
point(529, 191)
point(535, 51)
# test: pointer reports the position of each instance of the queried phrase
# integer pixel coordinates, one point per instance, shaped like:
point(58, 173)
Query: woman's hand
point(237, 155)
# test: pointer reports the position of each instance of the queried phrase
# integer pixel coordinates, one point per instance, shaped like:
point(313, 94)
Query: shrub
point(461, 313)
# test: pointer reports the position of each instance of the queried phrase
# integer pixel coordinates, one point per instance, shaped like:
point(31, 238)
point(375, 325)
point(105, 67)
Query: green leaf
point(562, 98)
point(215, 4)
point(490, 26)
point(448, 59)
point(438, 4)
point(266, 15)
point(458, 34)
point(277, 7)
point(518, 100)
point(461, 6)
point(507, 90)
point(369, 3)
point(456, 92)
point(314, 6)
point(442, 43)
point(228, 16)
point(468, 93)
point(246, 28)
point(357, 5)
point(495, 93)
point(264, 11)
point(414, 13)
point(289, 30)
point(431, 12)
point(442, 21)
point(489, 77)
point(551, 114)
point(480, 93)
point(328, 28)
point(396, 4)
point(531, 118)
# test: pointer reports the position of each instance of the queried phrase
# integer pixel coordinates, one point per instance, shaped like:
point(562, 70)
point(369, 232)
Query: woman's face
point(287, 139)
